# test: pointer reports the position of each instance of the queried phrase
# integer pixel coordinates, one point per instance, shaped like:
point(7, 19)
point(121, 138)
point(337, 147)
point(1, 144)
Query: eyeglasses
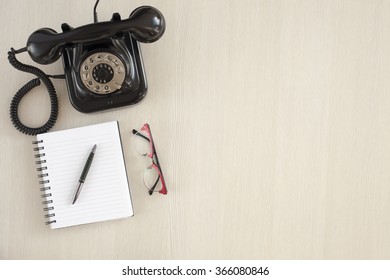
point(144, 145)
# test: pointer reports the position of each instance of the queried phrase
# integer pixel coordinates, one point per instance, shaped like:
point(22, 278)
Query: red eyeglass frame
point(153, 154)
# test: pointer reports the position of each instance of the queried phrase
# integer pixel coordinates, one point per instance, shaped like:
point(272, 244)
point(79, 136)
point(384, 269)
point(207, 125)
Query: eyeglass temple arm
point(164, 189)
point(154, 186)
point(137, 133)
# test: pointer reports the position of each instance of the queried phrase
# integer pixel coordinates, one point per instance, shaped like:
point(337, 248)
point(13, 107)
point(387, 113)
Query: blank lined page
point(105, 194)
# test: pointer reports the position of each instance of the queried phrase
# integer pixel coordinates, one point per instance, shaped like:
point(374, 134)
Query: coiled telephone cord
point(42, 77)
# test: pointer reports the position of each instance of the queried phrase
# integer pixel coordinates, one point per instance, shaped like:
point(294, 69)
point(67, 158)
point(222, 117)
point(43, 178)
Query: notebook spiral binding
point(47, 201)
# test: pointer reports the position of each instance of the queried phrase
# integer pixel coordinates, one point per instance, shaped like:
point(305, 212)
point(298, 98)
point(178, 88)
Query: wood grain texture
point(272, 123)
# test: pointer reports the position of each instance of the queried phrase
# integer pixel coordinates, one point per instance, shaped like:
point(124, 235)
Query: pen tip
point(75, 197)
point(94, 148)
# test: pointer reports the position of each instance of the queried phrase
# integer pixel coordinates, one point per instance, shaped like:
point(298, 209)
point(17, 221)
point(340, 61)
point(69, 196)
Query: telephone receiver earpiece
point(149, 24)
point(146, 24)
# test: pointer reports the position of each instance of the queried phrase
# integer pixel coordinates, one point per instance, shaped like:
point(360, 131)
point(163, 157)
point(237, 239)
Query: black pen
point(84, 174)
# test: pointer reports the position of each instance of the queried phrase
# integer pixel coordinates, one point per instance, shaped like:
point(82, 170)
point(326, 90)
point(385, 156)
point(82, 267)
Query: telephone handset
point(102, 62)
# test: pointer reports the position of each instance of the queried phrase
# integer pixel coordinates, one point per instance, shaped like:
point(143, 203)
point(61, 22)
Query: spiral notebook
point(61, 158)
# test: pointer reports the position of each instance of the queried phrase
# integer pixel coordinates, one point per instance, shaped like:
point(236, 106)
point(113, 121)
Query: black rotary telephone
point(102, 61)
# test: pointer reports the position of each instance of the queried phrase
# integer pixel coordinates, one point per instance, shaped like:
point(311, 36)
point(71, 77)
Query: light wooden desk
point(272, 122)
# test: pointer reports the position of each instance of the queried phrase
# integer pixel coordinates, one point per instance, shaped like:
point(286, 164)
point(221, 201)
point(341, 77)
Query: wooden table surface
point(271, 120)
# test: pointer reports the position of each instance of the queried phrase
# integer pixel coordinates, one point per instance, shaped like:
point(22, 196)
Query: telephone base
point(88, 89)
